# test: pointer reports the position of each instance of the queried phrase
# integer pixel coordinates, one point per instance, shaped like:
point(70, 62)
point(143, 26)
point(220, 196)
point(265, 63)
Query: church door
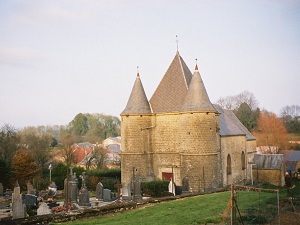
point(167, 176)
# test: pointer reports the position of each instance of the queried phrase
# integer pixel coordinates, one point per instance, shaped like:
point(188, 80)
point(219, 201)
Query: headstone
point(185, 185)
point(107, 195)
point(172, 187)
point(30, 189)
point(52, 190)
point(84, 195)
point(137, 194)
point(1, 189)
point(99, 191)
point(71, 189)
point(43, 209)
point(18, 207)
point(126, 194)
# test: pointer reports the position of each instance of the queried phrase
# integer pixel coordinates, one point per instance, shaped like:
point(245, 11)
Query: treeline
point(267, 127)
point(25, 154)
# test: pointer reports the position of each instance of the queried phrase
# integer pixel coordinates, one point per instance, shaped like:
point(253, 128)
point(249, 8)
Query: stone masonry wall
point(201, 171)
point(135, 145)
point(198, 133)
point(234, 146)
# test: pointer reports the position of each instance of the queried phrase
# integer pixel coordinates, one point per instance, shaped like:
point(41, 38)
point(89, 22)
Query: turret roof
point(137, 102)
point(197, 98)
point(170, 93)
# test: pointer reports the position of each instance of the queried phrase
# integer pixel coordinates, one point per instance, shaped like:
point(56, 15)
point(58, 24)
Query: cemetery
point(52, 205)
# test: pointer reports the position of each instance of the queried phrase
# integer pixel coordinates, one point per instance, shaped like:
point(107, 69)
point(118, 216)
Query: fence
point(251, 205)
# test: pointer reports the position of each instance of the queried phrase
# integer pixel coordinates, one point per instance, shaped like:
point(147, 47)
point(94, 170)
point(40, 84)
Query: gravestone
point(1, 189)
point(137, 194)
point(84, 195)
point(18, 207)
point(185, 185)
point(43, 209)
point(126, 194)
point(52, 190)
point(71, 189)
point(30, 189)
point(106, 195)
point(99, 191)
point(172, 187)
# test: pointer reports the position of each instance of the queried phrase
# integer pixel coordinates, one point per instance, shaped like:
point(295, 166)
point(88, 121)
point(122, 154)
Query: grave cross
point(119, 186)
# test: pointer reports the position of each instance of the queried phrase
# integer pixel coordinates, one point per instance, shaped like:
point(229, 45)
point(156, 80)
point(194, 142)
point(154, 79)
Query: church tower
point(180, 135)
point(135, 121)
point(199, 137)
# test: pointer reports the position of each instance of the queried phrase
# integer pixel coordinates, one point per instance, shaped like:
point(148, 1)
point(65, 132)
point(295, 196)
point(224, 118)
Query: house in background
point(111, 148)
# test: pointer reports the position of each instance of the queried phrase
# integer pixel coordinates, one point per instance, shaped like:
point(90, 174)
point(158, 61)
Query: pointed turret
point(197, 98)
point(137, 102)
point(170, 93)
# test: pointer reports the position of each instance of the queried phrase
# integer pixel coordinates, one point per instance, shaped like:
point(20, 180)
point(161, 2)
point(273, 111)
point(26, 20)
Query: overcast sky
point(60, 58)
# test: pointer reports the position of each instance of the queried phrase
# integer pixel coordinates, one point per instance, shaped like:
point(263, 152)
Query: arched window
point(228, 165)
point(243, 159)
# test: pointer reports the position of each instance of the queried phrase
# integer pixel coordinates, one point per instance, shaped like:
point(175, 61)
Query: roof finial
point(177, 42)
point(196, 67)
point(138, 72)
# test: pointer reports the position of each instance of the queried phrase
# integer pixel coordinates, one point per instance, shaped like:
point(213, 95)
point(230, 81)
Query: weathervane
point(177, 42)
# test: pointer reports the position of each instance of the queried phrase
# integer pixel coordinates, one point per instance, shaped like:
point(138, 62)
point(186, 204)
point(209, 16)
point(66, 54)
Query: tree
point(67, 141)
point(39, 145)
point(9, 143)
point(247, 116)
point(291, 117)
point(244, 106)
point(79, 125)
point(271, 132)
point(100, 156)
point(5, 172)
point(234, 102)
point(24, 167)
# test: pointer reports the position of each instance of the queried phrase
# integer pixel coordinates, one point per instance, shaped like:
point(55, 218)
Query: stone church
point(179, 134)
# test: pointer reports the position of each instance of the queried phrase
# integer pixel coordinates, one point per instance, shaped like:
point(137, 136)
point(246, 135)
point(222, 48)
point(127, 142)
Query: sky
point(61, 58)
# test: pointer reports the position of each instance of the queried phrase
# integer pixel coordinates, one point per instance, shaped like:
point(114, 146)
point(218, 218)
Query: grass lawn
point(194, 210)
point(199, 209)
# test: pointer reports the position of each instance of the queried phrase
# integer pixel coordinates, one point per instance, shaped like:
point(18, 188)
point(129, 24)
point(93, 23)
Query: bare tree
point(290, 111)
point(234, 102)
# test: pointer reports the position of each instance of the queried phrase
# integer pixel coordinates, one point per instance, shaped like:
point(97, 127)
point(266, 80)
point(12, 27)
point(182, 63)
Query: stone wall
point(234, 146)
point(275, 177)
point(198, 133)
point(135, 133)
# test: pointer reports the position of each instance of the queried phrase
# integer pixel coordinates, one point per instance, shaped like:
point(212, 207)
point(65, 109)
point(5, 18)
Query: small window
point(243, 159)
point(228, 165)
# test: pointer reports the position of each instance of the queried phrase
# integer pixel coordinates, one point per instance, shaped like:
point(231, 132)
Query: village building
point(179, 134)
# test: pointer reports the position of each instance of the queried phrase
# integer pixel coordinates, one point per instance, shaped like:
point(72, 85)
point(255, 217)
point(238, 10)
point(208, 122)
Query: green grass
point(194, 210)
point(255, 207)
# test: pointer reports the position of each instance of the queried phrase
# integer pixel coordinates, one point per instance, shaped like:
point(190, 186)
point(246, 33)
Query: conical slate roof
point(137, 102)
point(170, 93)
point(197, 98)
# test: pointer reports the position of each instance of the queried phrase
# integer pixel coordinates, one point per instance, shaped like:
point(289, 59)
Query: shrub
point(115, 173)
point(155, 188)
